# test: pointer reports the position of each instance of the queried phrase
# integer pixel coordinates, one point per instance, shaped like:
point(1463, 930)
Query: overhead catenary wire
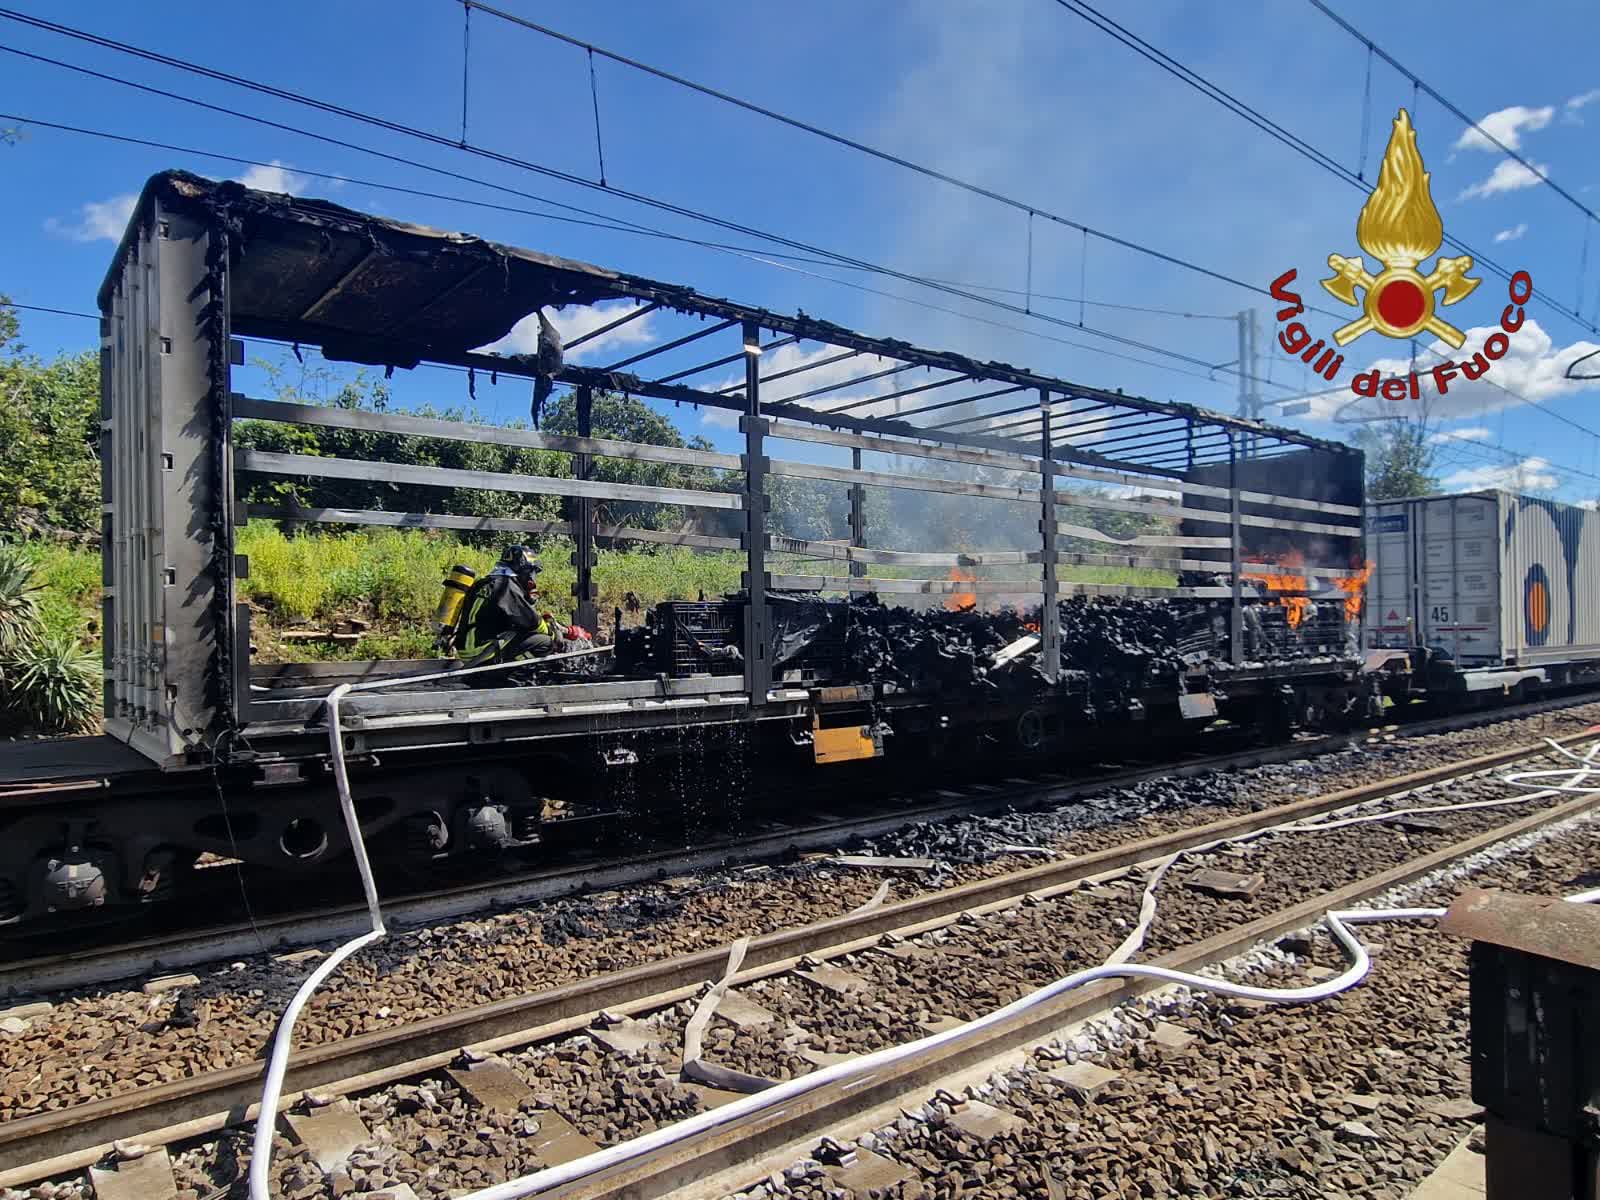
point(510, 160)
point(1096, 18)
point(829, 258)
point(832, 260)
point(1419, 84)
point(1281, 134)
point(765, 257)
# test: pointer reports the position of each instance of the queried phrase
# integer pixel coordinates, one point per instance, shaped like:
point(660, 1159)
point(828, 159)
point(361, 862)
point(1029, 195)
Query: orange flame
point(1353, 589)
point(1295, 607)
point(961, 601)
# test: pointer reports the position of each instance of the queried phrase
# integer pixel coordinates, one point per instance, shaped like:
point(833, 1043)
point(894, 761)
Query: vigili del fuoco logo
point(1400, 227)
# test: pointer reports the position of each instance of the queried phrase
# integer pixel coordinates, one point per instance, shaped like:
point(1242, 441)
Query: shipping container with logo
point(1488, 580)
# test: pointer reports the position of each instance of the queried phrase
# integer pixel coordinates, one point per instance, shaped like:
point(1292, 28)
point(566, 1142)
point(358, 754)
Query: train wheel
point(1030, 732)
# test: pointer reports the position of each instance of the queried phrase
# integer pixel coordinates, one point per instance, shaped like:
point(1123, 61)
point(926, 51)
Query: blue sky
point(1021, 96)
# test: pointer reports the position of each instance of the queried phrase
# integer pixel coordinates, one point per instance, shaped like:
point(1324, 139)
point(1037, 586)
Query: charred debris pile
point(1118, 644)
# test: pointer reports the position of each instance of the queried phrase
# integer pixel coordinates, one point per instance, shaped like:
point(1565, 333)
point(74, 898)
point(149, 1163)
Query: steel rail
point(88, 966)
point(94, 966)
point(710, 1165)
point(69, 1139)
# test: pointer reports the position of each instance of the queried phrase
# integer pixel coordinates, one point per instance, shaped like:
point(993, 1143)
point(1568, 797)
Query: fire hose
point(283, 1039)
point(1339, 924)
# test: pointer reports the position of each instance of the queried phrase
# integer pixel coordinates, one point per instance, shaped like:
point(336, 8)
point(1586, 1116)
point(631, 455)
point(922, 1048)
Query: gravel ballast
point(104, 1041)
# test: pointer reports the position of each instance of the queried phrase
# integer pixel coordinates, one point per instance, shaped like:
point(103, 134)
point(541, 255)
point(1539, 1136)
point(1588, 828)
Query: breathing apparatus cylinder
point(456, 586)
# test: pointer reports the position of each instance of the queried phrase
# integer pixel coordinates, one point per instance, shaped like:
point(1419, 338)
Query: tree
point(627, 419)
point(1400, 459)
point(50, 428)
point(372, 395)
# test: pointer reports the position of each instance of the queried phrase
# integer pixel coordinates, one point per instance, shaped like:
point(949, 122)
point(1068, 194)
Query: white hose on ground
point(1147, 905)
point(283, 1039)
point(272, 1087)
point(737, 1111)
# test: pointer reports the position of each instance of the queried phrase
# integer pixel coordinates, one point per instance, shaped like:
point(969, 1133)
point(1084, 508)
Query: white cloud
point(1532, 474)
point(573, 323)
point(793, 357)
point(1505, 126)
point(1473, 433)
point(1533, 369)
point(1578, 102)
point(1508, 176)
point(1512, 234)
point(97, 220)
point(275, 177)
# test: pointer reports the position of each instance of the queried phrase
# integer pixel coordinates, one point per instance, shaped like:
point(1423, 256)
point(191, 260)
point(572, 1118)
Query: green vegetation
point(311, 575)
point(50, 429)
point(48, 684)
point(51, 686)
point(1400, 459)
point(19, 600)
point(68, 579)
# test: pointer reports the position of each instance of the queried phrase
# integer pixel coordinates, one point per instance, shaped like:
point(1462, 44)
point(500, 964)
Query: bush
point(52, 686)
point(19, 603)
point(47, 683)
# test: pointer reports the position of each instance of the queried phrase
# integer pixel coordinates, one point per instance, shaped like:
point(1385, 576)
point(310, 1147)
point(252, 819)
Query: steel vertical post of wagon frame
point(858, 514)
point(1235, 553)
point(587, 611)
point(1050, 613)
point(757, 667)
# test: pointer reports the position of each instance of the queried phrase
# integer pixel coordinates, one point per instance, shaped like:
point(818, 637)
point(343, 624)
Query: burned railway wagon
point(1256, 532)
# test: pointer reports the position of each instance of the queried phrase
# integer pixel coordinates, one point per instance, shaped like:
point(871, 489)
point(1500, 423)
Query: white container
point(1492, 578)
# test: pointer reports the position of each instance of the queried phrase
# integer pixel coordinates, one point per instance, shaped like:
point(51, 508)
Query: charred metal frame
point(356, 286)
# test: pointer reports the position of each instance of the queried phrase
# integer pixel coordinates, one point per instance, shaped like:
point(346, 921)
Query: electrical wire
point(604, 221)
point(1418, 83)
point(617, 225)
point(1281, 134)
point(1536, 405)
point(60, 312)
point(551, 172)
point(764, 257)
point(1165, 61)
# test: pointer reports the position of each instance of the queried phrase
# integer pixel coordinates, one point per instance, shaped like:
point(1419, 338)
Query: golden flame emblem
point(1399, 226)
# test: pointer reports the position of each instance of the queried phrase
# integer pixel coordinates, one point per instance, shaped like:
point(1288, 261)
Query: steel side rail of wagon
point(244, 939)
point(70, 1139)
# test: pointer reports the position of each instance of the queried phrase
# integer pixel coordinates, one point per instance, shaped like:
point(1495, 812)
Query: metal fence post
point(858, 514)
point(757, 666)
point(1050, 614)
point(583, 529)
point(1235, 553)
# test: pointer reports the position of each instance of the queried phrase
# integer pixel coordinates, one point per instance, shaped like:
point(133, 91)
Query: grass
point(69, 590)
point(390, 578)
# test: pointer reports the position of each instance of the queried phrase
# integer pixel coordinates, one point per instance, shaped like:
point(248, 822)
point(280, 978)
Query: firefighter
point(501, 619)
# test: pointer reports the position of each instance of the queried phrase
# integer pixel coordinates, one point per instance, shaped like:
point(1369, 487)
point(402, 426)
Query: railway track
point(1072, 895)
point(31, 974)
